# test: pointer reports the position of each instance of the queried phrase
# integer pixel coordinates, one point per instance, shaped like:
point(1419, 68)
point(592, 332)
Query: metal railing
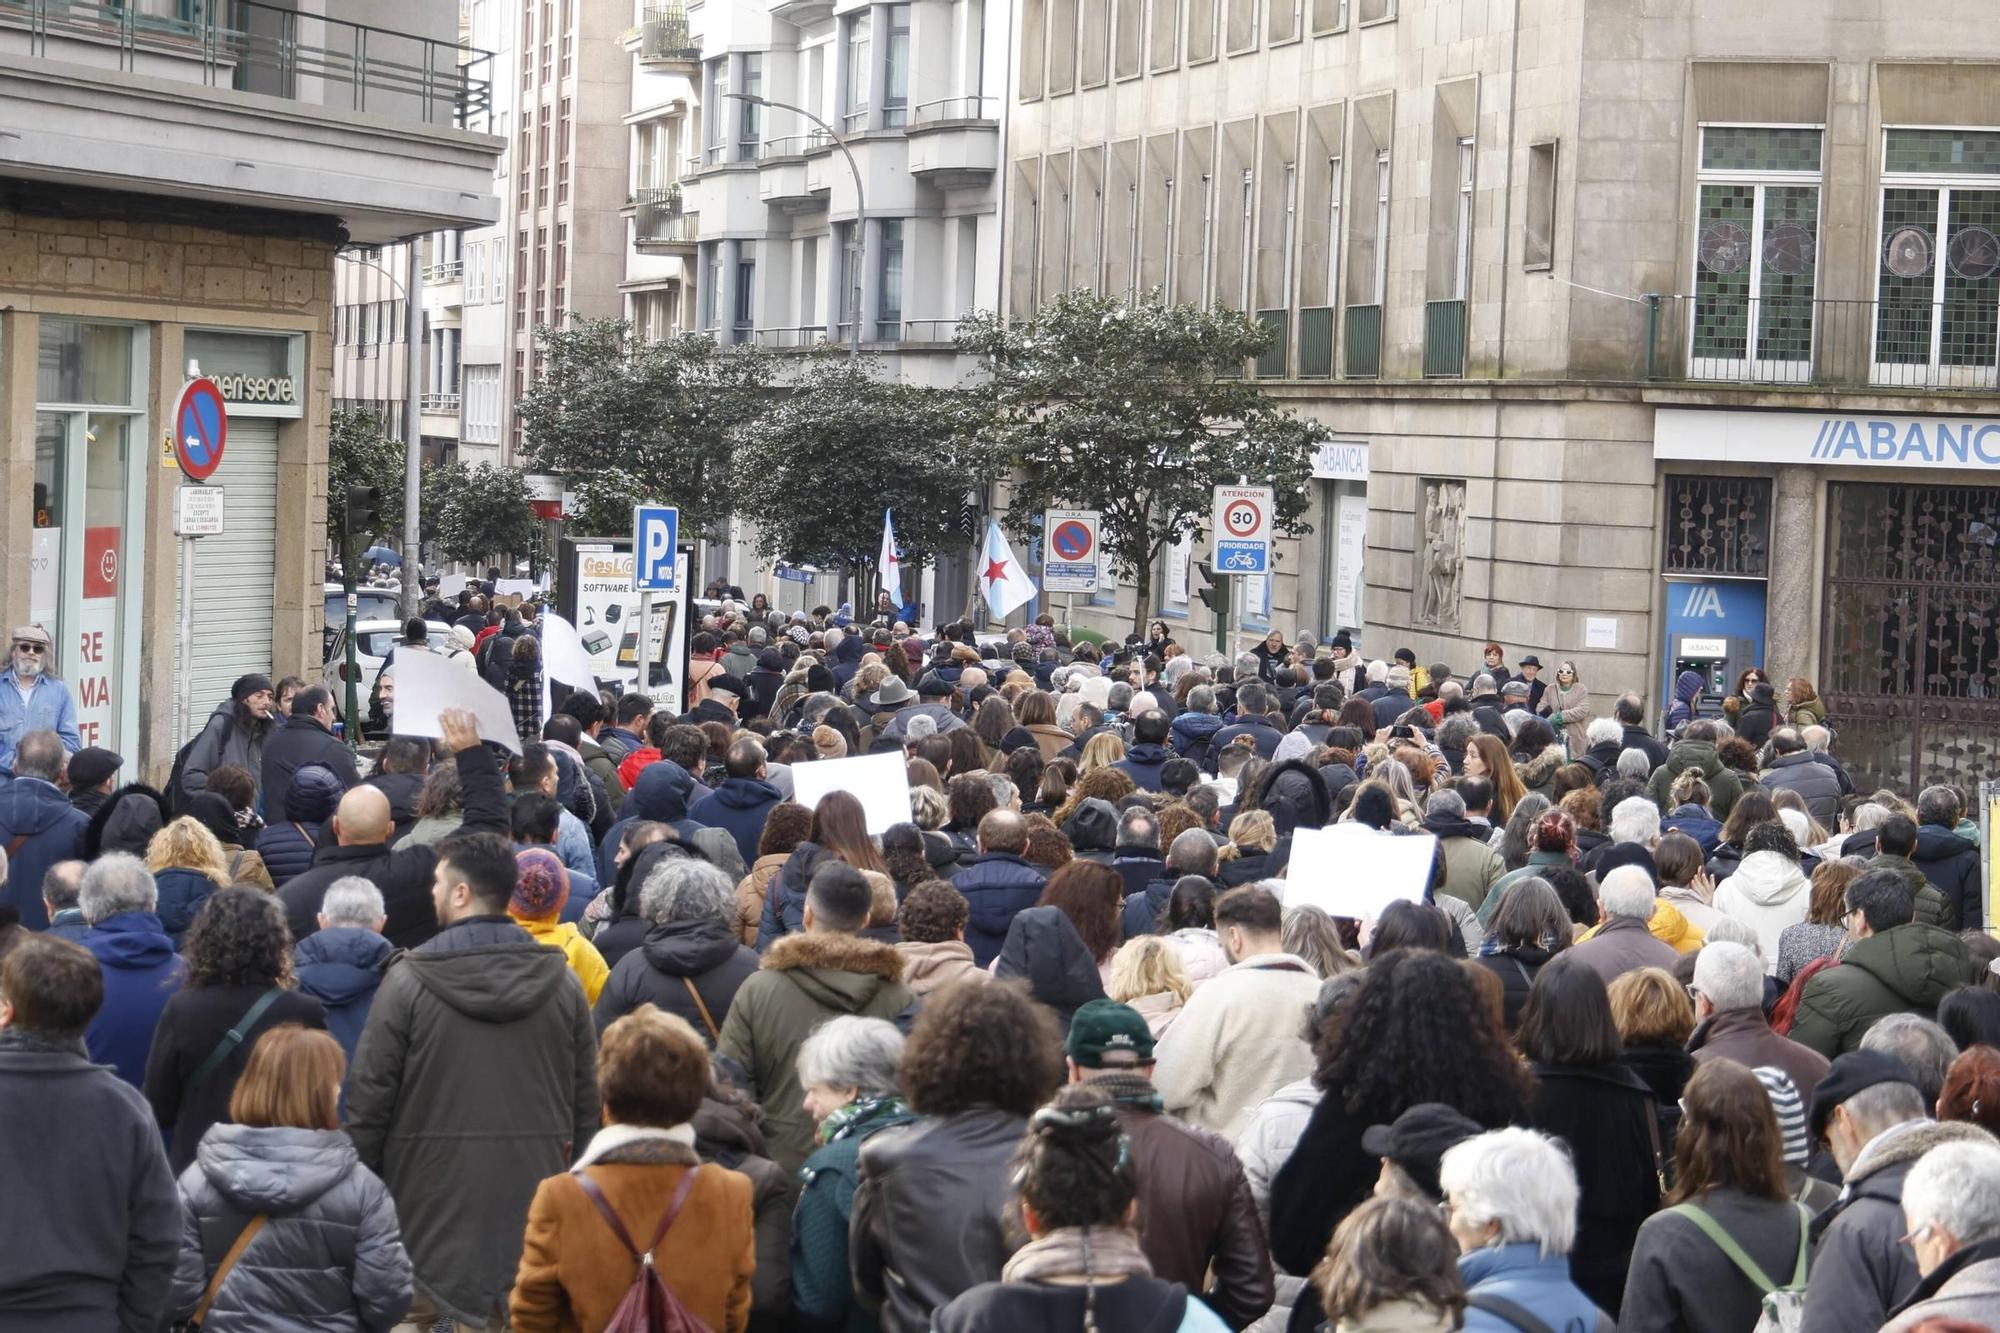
point(1444, 339)
point(439, 402)
point(1921, 343)
point(254, 47)
point(1364, 342)
point(1316, 341)
point(793, 338)
point(955, 108)
point(795, 145)
point(664, 35)
point(942, 331)
point(657, 215)
point(451, 270)
point(1271, 362)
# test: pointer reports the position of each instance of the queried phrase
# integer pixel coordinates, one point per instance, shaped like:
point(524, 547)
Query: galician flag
point(889, 563)
point(1006, 583)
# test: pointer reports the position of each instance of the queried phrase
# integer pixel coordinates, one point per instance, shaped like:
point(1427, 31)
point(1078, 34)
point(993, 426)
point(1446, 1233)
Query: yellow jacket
point(581, 954)
point(1666, 925)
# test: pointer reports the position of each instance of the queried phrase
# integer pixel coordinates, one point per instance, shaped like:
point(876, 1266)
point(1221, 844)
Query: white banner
point(881, 782)
point(427, 684)
point(1351, 870)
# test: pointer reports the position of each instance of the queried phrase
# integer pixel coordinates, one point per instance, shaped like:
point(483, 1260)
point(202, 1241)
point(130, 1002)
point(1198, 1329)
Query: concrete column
point(159, 620)
point(1788, 616)
point(19, 332)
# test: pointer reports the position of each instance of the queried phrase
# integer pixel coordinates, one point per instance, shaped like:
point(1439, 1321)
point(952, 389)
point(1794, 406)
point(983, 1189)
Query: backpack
point(175, 796)
point(649, 1305)
point(1784, 1307)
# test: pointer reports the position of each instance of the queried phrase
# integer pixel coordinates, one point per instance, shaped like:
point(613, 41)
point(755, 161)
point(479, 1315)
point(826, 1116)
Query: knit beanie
point(543, 886)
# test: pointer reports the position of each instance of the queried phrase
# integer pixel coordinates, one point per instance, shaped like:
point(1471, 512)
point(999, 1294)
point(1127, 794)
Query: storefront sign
point(257, 373)
point(97, 637)
point(1912, 443)
point(1352, 546)
point(596, 595)
point(1341, 460)
point(257, 388)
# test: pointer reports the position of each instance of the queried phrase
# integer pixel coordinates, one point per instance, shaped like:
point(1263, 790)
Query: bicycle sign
point(1242, 529)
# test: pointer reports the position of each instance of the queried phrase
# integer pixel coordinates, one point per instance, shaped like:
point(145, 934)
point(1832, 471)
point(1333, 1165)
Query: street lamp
point(413, 418)
point(860, 208)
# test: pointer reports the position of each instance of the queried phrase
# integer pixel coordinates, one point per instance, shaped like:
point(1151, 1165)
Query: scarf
point(857, 1113)
point(1131, 1090)
point(1088, 1252)
point(40, 1043)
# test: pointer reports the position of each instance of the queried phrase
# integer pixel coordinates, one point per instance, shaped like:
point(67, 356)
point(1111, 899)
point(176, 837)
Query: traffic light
point(1214, 592)
point(364, 510)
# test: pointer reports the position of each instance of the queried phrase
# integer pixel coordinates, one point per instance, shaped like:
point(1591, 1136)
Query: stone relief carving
point(1441, 555)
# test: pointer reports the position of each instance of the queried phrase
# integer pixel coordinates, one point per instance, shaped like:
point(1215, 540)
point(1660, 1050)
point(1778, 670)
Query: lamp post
point(413, 418)
point(860, 208)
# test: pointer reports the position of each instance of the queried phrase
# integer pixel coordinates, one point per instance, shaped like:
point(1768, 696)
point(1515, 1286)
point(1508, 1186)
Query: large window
point(718, 105)
point(481, 419)
point(896, 68)
point(854, 98)
point(889, 317)
point(1939, 274)
point(1756, 252)
point(749, 122)
point(745, 314)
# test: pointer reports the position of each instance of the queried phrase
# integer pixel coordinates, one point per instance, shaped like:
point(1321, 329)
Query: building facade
point(128, 258)
point(1650, 332)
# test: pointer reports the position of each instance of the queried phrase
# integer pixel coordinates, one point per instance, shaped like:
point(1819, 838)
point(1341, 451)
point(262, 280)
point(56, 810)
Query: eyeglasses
point(26, 647)
point(1918, 1233)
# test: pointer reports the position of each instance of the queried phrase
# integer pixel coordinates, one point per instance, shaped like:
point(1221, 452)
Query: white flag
point(890, 564)
point(563, 658)
point(1006, 583)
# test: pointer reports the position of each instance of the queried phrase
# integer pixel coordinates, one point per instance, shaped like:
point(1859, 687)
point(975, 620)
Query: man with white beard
point(32, 699)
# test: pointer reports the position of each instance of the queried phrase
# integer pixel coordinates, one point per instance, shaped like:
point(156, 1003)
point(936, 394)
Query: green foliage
point(1137, 411)
point(841, 444)
point(359, 452)
point(627, 419)
point(474, 512)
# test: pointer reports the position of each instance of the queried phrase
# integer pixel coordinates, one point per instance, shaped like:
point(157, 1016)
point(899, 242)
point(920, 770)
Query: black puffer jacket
point(1814, 780)
point(1044, 946)
point(1295, 796)
point(330, 1258)
point(289, 843)
point(1516, 969)
point(673, 956)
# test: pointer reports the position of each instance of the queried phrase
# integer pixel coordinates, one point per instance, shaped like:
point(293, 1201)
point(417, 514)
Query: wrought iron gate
point(1911, 649)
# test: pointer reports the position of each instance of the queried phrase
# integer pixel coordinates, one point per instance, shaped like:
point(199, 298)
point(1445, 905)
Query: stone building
point(172, 193)
point(1651, 331)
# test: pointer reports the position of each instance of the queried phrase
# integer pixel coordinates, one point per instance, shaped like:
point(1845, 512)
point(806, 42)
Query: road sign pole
point(187, 640)
point(645, 639)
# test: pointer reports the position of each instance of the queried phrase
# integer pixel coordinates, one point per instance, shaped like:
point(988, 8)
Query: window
point(745, 314)
point(1381, 278)
point(854, 100)
point(896, 68)
point(1285, 19)
point(1126, 28)
point(1328, 16)
point(718, 115)
point(1538, 244)
point(562, 154)
point(1461, 260)
point(1374, 11)
point(480, 423)
point(1244, 244)
point(1062, 46)
point(711, 286)
point(1200, 30)
point(1034, 31)
point(475, 275)
point(542, 164)
point(848, 299)
point(750, 117)
point(1756, 252)
point(1939, 270)
point(560, 305)
point(1242, 19)
point(1717, 525)
point(1166, 33)
point(889, 317)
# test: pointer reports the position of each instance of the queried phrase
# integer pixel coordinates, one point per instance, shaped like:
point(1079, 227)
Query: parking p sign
point(655, 529)
point(1242, 530)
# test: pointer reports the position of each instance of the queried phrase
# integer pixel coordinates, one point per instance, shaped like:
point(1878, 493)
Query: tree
point(1137, 411)
point(472, 512)
point(625, 419)
point(843, 443)
point(359, 452)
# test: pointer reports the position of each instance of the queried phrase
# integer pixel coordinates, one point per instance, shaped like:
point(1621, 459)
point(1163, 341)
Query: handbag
point(649, 1305)
point(707, 1019)
point(1783, 1309)
point(243, 1239)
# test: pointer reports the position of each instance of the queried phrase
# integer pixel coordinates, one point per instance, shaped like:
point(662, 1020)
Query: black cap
point(1407, 656)
point(1531, 660)
point(1852, 1073)
point(934, 686)
point(91, 765)
point(1419, 1138)
point(246, 686)
point(1343, 640)
point(728, 684)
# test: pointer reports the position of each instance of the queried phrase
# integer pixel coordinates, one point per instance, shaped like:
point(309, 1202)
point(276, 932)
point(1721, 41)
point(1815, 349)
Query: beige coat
point(932, 967)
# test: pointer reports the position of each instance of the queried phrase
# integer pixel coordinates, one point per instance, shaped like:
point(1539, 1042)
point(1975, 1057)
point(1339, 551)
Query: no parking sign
point(1069, 550)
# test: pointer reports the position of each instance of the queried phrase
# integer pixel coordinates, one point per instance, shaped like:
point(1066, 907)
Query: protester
point(341, 964)
point(61, 886)
point(141, 971)
point(786, 825)
point(295, 833)
point(38, 825)
point(839, 833)
point(1728, 992)
point(306, 738)
point(235, 733)
point(744, 800)
point(1892, 965)
point(1392, 1267)
point(1511, 1203)
point(1951, 1202)
point(1624, 943)
point(997, 883)
point(1654, 1020)
point(1046, 948)
point(187, 865)
point(690, 964)
point(1147, 974)
point(1529, 927)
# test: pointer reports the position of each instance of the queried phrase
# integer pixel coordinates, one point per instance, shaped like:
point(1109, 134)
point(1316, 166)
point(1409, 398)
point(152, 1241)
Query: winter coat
point(1767, 893)
point(662, 793)
point(141, 973)
point(93, 1223)
point(1903, 970)
point(475, 1079)
point(330, 1257)
point(1813, 779)
point(803, 981)
point(225, 739)
point(1745, 1036)
point(1520, 1274)
point(822, 1287)
point(1142, 763)
point(1696, 823)
point(581, 955)
point(928, 1222)
point(1516, 969)
point(1471, 868)
point(1260, 729)
point(1951, 864)
point(125, 822)
point(1682, 1282)
point(1687, 691)
point(739, 806)
point(1861, 1268)
point(1636, 738)
point(1930, 906)
point(674, 955)
point(1965, 1286)
point(1267, 1143)
point(1044, 947)
point(1236, 1042)
point(1192, 736)
point(403, 874)
point(182, 892)
point(1138, 867)
point(1202, 956)
point(1804, 943)
point(729, 1133)
point(1698, 756)
point(1538, 773)
point(1139, 1304)
point(932, 967)
point(342, 969)
point(192, 1025)
point(288, 844)
point(573, 1272)
point(1605, 1113)
point(752, 890)
point(289, 748)
point(1602, 758)
point(1757, 717)
point(52, 831)
point(997, 886)
point(1568, 711)
point(1052, 740)
point(1623, 944)
point(1296, 796)
point(1530, 869)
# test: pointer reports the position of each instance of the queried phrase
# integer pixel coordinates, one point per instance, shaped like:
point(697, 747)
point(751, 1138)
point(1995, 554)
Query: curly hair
point(186, 844)
point(440, 794)
point(982, 1044)
point(1104, 784)
point(970, 799)
point(1074, 1166)
point(785, 827)
point(239, 938)
point(1047, 846)
point(1090, 895)
point(1580, 804)
point(1419, 1032)
point(1176, 819)
point(932, 913)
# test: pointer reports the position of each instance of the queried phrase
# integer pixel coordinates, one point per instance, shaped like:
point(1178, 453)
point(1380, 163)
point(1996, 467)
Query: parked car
point(372, 641)
point(370, 604)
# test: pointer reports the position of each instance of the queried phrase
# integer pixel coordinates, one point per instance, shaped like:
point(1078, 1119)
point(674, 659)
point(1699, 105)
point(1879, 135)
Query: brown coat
point(931, 967)
point(1050, 739)
point(752, 892)
point(574, 1272)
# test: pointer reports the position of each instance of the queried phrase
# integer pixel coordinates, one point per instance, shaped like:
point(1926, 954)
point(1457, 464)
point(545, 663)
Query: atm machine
point(1719, 659)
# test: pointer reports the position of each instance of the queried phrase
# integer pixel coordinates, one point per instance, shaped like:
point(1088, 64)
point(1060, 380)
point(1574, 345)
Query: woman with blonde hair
point(1147, 974)
point(1655, 1018)
point(324, 1250)
point(188, 864)
point(1246, 857)
point(1487, 757)
point(1101, 751)
point(1311, 934)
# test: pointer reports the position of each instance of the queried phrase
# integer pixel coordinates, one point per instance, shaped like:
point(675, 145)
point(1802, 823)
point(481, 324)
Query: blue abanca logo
point(1938, 442)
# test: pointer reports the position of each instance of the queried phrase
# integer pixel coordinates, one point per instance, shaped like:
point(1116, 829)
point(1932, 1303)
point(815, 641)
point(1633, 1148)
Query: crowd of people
point(1684, 1032)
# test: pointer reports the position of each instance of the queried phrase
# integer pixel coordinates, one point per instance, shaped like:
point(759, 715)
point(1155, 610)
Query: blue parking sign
point(655, 533)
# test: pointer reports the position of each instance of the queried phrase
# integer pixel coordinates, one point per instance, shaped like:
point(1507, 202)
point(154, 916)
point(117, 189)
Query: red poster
point(100, 562)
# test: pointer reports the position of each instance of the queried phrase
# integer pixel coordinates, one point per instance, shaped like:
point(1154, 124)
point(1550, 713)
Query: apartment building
point(128, 255)
point(1618, 311)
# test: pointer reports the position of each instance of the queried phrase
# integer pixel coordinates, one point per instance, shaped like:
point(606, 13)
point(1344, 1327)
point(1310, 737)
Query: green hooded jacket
point(1903, 970)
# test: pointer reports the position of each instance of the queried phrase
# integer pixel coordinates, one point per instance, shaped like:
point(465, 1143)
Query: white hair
point(1956, 1186)
point(116, 882)
point(1634, 763)
point(681, 888)
point(852, 1052)
point(1731, 976)
point(1144, 702)
point(1728, 930)
point(1523, 1180)
point(1818, 739)
point(1627, 891)
point(1003, 788)
point(1378, 672)
point(1602, 729)
point(920, 728)
point(1869, 815)
point(1799, 823)
point(1635, 819)
point(352, 901)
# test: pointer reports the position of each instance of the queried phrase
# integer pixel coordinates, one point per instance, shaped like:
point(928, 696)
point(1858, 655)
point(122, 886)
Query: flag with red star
point(890, 564)
point(1001, 577)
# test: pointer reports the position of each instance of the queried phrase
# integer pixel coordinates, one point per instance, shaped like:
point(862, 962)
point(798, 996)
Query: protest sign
point(427, 684)
point(1353, 871)
point(880, 782)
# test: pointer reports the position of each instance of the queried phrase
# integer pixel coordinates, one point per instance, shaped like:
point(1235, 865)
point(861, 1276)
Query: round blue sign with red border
point(1072, 540)
point(201, 427)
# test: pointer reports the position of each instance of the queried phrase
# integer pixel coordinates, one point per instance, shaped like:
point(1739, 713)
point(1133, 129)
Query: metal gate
point(1911, 649)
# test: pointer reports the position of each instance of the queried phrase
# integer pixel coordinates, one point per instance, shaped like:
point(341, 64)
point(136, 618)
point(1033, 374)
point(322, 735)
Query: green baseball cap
point(1106, 1028)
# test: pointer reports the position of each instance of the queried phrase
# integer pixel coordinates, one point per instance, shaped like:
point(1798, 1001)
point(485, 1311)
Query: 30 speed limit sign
point(1241, 528)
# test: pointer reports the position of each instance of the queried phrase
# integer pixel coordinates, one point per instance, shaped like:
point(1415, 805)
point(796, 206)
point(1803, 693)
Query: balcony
point(1947, 346)
point(271, 108)
point(665, 39)
point(954, 142)
point(1271, 362)
point(1316, 342)
point(437, 275)
point(657, 218)
point(802, 13)
point(782, 177)
point(438, 402)
point(930, 332)
point(791, 339)
point(1444, 339)
point(1364, 342)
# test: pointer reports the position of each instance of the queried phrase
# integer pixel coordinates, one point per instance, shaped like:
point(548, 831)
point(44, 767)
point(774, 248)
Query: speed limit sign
point(1242, 530)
